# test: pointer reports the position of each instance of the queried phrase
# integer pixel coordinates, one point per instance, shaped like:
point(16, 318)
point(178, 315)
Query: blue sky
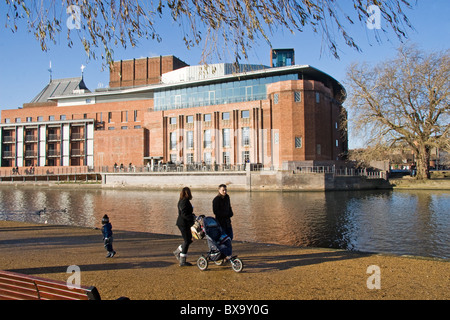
point(24, 66)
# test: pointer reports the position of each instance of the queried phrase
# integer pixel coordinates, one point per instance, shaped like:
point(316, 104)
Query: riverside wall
point(243, 181)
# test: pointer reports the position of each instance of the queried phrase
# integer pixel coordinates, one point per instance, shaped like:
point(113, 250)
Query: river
point(415, 222)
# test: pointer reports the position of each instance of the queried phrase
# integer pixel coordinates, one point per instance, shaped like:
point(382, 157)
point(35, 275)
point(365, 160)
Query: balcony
point(8, 154)
point(31, 138)
point(54, 137)
point(77, 136)
point(77, 152)
point(9, 139)
point(53, 153)
point(30, 154)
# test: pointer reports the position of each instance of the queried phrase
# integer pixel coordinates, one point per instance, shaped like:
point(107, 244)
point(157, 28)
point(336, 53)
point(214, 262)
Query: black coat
point(186, 217)
point(222, 210)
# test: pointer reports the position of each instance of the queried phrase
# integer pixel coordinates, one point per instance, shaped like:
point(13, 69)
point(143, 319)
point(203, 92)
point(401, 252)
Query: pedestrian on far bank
point(222, 210)
point(185, 221)
point(107, 236)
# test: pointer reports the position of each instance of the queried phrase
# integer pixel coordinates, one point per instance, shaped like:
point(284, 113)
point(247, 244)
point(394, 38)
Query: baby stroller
point(219, 244)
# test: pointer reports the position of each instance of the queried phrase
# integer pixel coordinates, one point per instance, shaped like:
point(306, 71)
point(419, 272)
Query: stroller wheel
point(202, 263)
point(237, 264)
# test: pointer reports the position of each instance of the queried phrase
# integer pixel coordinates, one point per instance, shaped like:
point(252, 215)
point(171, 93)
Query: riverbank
point(144, 268)
point(408, 183)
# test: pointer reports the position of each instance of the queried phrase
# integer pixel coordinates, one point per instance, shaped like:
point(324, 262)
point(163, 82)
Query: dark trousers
point(108, 244)
point(187, 237)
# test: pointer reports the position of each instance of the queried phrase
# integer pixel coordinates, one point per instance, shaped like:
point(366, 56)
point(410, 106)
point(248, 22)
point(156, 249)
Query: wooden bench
point(16, 286)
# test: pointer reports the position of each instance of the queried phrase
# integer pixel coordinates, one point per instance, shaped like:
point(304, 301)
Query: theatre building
point(159, 110)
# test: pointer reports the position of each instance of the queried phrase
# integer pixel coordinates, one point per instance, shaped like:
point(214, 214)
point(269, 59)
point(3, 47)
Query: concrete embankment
point(144, 268)
point(244, 181)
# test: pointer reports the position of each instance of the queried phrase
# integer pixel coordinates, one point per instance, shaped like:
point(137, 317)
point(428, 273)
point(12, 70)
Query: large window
point(245, 136)
point(226, 138)
point(216, 93)
point(173, 141)
point(226, 157)
point(207, 139)
point(189, 139)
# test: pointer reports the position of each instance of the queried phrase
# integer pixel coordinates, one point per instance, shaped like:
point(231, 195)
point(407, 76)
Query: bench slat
point(18, 286)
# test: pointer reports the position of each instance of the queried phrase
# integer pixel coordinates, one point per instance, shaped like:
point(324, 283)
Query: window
point(173, 141)
point(124, 116)
point(190, 158)
point(275, 98)
point(207, 139)
point(39, 118)
point(245, 114)
point(297, 96)
point(337, 143)
point(207, 117)
point(7, 120)
point(62, 117)
point(18, 120)
point(225, 116)
point(226, 157)
point(317, 97)
point(124, 127)
point(190, 119)
point(245, 156)
point(109, 117)
point(177, 101)
point(51, 118)
point(189, 139)
point(173, 158)
point(245, 136)
point(135, 115)
point(318, 149)
point(226, 137)
point(173, 120)
point(298, 142)
point(29, 119)
point(207, 157)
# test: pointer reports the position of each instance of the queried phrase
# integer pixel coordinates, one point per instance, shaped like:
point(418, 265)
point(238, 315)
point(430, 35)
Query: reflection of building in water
point(160, 109)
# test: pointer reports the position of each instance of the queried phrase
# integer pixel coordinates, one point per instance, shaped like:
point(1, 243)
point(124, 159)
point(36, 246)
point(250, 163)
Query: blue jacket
point(107, 230)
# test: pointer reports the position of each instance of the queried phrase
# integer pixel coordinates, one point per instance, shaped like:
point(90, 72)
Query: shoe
point(183, 262)
point(111, 254)
point(177, 253)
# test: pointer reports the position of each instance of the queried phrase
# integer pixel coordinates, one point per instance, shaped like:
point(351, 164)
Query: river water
point(397, 222)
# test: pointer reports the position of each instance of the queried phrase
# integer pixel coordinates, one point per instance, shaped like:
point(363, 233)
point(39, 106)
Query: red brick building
point(161, 109)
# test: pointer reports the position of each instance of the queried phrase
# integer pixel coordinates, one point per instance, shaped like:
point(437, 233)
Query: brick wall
point(142, 71)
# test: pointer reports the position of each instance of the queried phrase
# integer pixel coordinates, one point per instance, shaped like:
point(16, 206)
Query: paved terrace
point(144, 268)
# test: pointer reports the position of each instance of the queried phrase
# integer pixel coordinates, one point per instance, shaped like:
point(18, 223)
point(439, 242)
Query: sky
point(24, 66)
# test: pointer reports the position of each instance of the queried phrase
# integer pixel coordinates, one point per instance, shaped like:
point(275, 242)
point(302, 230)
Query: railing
point(195, 167)
point(370, 174)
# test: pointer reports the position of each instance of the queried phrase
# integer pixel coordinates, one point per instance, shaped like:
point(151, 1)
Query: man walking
point(222, 210)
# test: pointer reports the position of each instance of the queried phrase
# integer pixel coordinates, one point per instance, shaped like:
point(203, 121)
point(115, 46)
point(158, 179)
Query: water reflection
point(412, 222)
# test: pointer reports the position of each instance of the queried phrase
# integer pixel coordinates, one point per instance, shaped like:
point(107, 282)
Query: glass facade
point(216, 93)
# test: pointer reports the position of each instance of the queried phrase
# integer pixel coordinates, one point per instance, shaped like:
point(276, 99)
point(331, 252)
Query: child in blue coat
point(108, 236)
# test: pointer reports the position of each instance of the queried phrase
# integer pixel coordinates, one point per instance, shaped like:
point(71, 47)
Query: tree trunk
point(423, 163)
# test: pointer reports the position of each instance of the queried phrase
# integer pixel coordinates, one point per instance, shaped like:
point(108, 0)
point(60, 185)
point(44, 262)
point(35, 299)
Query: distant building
point(160, 109)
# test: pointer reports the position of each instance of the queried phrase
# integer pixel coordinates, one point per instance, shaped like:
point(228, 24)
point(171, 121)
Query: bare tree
point(231, 24)
point(405, 100)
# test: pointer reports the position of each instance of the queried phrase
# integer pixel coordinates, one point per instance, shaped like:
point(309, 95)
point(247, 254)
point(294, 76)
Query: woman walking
point(186, 219)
